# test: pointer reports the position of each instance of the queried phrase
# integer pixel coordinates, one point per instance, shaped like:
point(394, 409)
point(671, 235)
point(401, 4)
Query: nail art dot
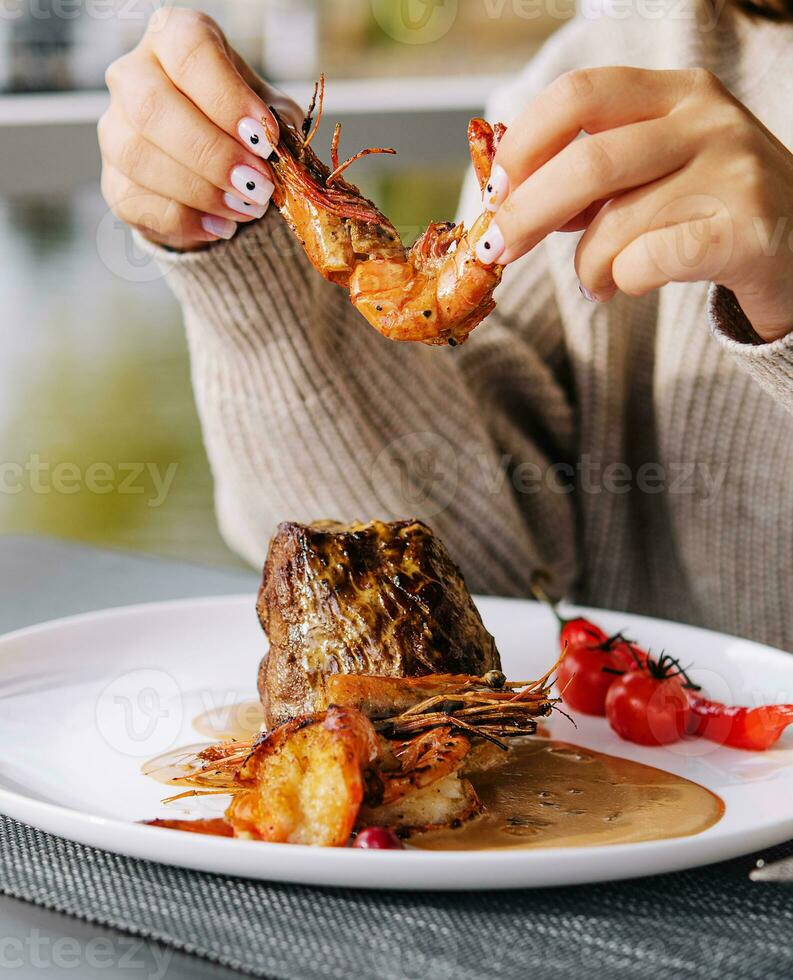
point(428, 313)
point(487, 245)
point(251, 185)
point(254, 139)
point(452, 342)
point(489, 188)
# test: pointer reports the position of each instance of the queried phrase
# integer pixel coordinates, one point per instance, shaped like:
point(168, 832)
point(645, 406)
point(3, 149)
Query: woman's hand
point(676, 182)
point(187, 132)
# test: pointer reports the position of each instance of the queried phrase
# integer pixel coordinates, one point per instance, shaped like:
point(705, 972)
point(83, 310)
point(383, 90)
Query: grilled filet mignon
point(378, 598)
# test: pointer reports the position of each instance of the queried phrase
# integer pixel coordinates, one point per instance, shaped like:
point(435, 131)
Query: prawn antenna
point(334, 147)
point(339, 170)
point(319, 87)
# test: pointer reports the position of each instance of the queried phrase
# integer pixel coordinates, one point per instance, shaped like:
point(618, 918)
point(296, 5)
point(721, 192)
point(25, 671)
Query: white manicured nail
point(254, 135)
point(588, 295)
point(221, 227)
point(490, 246)
point(251, 184)
point(244, 207)
point(497, 189)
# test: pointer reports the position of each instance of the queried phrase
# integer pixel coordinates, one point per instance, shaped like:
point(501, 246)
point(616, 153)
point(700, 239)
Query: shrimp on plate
point(317, 778)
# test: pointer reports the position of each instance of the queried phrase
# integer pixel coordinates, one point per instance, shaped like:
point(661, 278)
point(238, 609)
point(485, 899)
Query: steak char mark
point(378, 598)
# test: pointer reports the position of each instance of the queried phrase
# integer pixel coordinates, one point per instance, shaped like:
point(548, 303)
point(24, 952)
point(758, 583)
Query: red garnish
point(754, 729)
point(216, 827)
point(593, 658)
point(379, 838)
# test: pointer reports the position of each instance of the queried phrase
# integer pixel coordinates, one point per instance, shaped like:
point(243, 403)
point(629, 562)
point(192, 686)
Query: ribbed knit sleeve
point(309, 413)
point(771, 365)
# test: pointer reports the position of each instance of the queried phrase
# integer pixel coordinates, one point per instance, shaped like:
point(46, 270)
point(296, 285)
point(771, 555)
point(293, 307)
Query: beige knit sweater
point(642, 451)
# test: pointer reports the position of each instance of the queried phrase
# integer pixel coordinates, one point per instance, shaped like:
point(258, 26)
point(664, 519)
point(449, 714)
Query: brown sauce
point(551, 794)
point(239, 721)
point(546, 793)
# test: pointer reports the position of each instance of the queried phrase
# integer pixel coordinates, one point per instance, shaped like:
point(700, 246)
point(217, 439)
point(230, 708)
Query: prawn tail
point(483, 140)
point(436, 241)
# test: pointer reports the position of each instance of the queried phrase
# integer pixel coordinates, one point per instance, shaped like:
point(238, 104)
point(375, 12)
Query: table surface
point(42, 579)
point(710, 919)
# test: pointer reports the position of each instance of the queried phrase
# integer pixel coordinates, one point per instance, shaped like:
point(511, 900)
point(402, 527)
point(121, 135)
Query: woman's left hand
point(676, 182)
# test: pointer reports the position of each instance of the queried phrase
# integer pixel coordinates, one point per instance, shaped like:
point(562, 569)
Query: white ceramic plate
point(85, 701)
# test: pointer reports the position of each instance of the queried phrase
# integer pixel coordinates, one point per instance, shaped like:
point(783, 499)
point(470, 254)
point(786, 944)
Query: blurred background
point(100, 440)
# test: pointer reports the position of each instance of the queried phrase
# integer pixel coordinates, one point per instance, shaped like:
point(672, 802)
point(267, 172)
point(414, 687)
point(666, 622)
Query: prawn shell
point(483, 140)
point(435, 293)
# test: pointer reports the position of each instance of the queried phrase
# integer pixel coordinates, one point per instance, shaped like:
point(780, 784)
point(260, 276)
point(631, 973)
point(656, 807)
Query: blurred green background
point(95, 371)
point(99, 435)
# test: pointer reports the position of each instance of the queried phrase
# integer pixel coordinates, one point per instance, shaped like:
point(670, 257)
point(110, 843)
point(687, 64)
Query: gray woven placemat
point(712, 923)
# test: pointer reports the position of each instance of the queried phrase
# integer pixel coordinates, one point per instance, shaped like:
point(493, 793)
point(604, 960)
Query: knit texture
point(640, 451)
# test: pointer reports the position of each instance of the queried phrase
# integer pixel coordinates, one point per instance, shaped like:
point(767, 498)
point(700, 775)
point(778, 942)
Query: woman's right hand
point(185, 138)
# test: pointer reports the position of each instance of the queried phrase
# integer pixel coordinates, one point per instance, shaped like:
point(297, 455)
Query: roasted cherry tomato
point(592, 661)
point(585, 676)
point(650, 705)
point(591, 664)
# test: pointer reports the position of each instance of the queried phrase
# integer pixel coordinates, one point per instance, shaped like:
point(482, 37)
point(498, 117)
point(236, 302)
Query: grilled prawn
point(435, 292)
point(315, 778)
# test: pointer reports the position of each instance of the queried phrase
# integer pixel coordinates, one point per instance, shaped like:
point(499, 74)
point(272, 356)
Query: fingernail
point(490, 246)
point(254, 135)
point(497, 189)
point(244, 207)
point(588, 295)
point(250, 183)
point(221, 227)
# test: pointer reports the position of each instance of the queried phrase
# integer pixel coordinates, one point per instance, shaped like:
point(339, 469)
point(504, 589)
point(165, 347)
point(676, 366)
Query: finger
point(158, 218)
point(584, 218)
point(686, 252)
point(162, 115)
point(194, 54)
point(286, 108)
point(147, 166)
point(585, 171)
point(622, 220)
point(592, 100)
